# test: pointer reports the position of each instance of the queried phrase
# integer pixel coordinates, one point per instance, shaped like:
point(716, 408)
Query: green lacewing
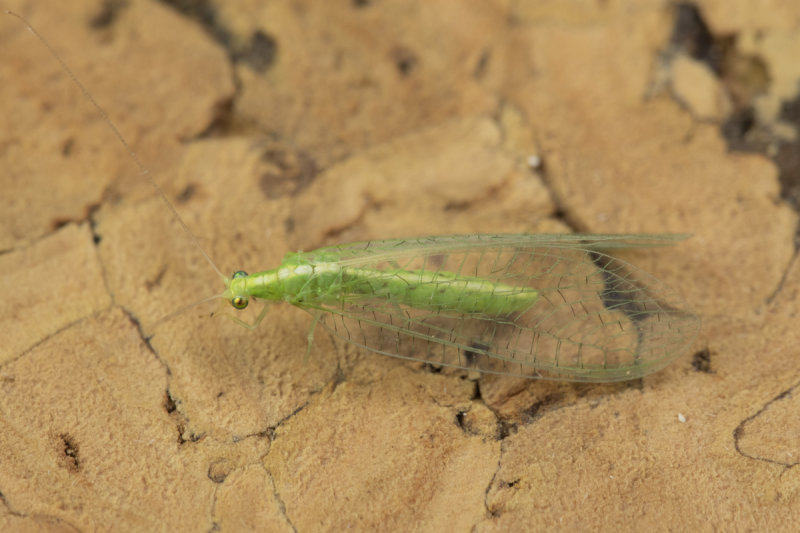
point(538, 306)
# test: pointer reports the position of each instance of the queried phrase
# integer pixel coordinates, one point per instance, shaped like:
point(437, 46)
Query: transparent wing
point(366, 252)
point(597, 318)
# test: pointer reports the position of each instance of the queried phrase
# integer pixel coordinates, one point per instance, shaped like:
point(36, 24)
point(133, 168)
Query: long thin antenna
point(143, 170)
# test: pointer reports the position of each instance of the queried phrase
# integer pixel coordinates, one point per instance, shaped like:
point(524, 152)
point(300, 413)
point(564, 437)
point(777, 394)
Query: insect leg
point(255, 323)
point(314, 321)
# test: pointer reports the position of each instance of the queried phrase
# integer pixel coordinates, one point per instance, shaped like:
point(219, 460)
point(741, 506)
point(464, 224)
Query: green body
point(304, 283)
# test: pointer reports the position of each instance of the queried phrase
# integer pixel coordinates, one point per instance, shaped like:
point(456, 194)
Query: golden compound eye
point(239, 302)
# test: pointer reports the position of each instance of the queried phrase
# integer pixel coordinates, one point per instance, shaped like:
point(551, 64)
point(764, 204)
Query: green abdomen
point(437, 291)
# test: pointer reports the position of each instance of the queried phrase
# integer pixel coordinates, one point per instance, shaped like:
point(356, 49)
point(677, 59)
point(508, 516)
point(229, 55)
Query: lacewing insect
point(538, 306)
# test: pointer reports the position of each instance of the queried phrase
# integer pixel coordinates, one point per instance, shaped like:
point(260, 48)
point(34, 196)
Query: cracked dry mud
point(285, 126)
